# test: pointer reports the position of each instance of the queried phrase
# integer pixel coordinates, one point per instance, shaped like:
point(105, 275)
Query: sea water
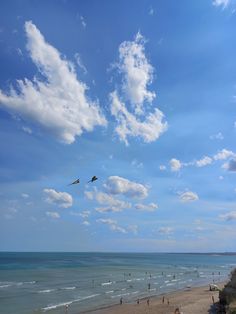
point(47, 282)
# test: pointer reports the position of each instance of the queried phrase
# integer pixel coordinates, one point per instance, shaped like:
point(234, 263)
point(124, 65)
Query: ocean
point(47, 282)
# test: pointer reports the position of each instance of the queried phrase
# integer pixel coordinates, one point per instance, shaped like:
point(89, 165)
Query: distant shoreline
point(110, 252)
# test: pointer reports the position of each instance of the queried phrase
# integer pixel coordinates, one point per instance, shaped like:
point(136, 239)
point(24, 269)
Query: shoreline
point(196, 300)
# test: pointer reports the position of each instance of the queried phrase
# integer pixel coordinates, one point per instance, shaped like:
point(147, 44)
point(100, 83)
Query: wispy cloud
point(223, 3)
point(80, 63)
point(60, 104)
point(165, 230)
point(86, 223)
point(136, 164)
point(82, 20)
point(218, 136)
point(112, 224)
point(228, 216)
point(54, 215)
point(230, 166)
point(26, 129)
point(146, 207)
point(151, 11)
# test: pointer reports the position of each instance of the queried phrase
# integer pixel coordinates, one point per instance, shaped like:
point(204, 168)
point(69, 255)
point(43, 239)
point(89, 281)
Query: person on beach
point(148, 302)
point(168, 301)
point(163, 300)
point(66, 308)
point(213, 299)
point(121, 301)
point(177, 311)
point(138, 301)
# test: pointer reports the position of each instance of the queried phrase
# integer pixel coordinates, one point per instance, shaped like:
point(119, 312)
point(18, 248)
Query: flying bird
point(94, 178)
point(75, 182)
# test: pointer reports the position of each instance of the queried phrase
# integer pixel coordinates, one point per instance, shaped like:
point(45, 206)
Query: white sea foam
point(111, 291)
point(106, 283)
point(11, 284)
point(88, 297)
point(55, 306)
point(120, 295)
point(46, 291)
point(5, 286)
point(68, 288)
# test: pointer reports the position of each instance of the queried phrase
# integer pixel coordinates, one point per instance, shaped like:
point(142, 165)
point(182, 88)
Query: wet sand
point(193, 301)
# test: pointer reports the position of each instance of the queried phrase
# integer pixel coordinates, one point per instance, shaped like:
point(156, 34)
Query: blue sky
point(140, 94)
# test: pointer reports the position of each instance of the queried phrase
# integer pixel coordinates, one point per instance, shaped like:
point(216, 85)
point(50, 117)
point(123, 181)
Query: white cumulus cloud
point(137, 72)
point(62, 199)
point(57, 101)
point(112, 204)
point(204, 161)
point(188, 196)
point(149, 128)
point(118, 185)
point(224, 154)
point(137, 75)
point(175, 164)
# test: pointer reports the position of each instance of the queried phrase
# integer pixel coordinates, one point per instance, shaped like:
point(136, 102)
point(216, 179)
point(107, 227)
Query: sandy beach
point(193, 301)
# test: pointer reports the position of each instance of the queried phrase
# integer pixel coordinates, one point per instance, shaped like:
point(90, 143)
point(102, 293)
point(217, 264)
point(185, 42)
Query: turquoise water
point(46, 282)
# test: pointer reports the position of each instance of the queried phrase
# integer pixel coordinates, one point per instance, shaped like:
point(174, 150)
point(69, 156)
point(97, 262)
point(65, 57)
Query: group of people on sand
point(177, 310)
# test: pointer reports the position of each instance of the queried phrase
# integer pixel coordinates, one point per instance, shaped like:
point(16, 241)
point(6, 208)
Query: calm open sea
point(46, 282)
